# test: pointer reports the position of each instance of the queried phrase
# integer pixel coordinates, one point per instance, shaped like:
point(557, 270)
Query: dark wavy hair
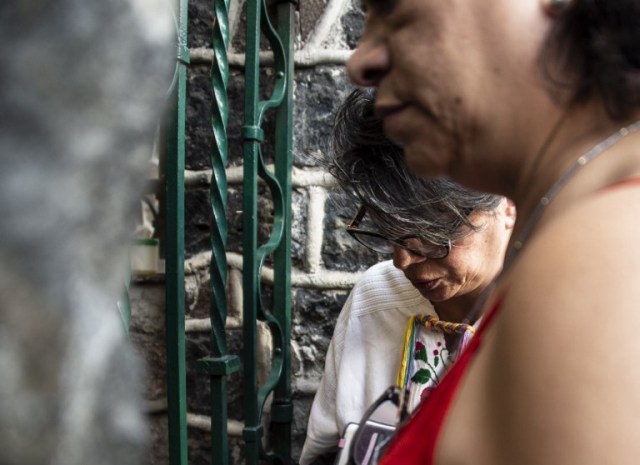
point(372, 169)
point(593, 50)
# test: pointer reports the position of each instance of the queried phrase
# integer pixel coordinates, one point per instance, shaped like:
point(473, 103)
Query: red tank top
point(416, 441)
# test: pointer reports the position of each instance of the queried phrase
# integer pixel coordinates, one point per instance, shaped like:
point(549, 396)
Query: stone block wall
point(326, 261)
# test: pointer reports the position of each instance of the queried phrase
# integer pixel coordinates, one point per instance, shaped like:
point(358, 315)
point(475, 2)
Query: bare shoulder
point(586, 256)
point(567, 338)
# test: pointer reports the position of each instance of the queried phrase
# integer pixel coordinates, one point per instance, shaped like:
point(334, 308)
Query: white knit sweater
point(365, 353)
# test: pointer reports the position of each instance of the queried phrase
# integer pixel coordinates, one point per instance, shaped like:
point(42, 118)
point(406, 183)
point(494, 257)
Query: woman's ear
point(509, 211)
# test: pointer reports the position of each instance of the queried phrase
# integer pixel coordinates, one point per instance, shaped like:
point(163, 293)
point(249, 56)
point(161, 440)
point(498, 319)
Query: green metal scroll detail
point(279, 241)
point(281, 406)
point(220, 365)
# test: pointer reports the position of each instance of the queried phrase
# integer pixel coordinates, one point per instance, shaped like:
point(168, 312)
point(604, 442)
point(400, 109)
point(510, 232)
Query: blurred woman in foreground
point(537, 100)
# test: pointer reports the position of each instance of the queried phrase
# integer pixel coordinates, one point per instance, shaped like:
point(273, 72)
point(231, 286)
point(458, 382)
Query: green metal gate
point(220, 363)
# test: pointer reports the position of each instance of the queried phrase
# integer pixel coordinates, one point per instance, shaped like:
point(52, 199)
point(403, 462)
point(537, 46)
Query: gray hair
point(372, 169)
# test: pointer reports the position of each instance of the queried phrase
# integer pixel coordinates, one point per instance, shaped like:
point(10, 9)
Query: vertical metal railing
point(174, 250)
point(220, 365)
point(282, 408)
point(279, 185)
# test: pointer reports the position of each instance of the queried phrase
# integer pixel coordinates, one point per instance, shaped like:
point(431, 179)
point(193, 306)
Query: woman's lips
point(428, 284)
point(383, 110)
point(393, 119)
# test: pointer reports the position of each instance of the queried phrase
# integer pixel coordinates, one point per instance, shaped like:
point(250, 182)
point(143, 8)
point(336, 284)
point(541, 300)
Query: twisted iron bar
point(218, 187)
point(220, 365)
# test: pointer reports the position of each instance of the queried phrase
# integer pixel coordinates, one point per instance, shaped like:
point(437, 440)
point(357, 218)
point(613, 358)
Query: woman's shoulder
point(582, 262)
point(566, 334)
point(593, 246)
point(383, 287)
point(383, 274)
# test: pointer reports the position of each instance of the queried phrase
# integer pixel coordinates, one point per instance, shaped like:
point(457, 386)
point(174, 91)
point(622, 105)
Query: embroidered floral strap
point(434, 324)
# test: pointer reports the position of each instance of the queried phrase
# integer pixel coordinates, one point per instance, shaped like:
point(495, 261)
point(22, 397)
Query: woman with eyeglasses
point(405, 318)
point(537, 100)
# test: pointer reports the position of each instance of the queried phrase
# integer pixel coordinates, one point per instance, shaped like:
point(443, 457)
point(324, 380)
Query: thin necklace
point(553, 191)
point(544, 202)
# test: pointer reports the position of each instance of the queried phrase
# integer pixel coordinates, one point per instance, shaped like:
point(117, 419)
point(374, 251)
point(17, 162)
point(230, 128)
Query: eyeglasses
point(379, 243)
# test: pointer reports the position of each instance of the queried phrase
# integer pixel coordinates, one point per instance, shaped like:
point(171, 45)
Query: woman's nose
point(369, 63)
point(402, 258)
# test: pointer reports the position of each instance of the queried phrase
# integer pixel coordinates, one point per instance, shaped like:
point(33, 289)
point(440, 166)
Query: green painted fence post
point(174, 253)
